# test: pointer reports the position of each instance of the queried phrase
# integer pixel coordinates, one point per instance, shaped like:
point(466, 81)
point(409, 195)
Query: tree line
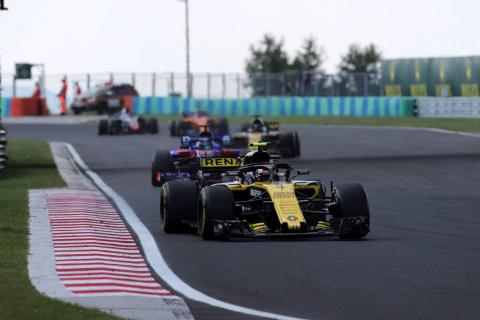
point(273, 72)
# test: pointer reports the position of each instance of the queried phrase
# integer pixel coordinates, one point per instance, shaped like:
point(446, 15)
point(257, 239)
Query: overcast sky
point(148, 35)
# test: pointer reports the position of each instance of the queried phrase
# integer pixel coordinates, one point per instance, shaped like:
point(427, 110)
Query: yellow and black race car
point(285, 144)
point(265, 199)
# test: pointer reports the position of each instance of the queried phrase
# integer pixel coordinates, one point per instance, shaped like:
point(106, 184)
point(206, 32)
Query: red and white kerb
point(95, 253)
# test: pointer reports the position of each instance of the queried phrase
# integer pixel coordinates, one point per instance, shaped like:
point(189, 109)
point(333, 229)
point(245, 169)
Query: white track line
point(153, 254)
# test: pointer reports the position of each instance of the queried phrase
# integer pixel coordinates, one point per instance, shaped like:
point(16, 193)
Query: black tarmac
point(421, 260)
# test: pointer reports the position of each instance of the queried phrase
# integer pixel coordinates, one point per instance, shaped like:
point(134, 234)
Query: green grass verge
point(30, 167)
point(454, 124)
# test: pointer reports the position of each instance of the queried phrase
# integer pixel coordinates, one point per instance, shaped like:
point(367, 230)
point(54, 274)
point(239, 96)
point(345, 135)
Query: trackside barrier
point(449, 107)
point(279, 106)
point(17, 107)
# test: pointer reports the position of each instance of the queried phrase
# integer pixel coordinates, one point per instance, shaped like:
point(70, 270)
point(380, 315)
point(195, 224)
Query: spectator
point(62, 95)
point(37, 96)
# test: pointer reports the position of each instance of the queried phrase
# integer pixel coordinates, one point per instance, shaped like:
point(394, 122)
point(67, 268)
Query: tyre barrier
point(279, 106)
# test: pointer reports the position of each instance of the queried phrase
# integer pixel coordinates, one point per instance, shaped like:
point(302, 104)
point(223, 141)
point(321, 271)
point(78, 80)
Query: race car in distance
point(203, 159)
point(125, 123)
point(286, 145)
point(265, 200)
point(109, 99)
point(191, 124)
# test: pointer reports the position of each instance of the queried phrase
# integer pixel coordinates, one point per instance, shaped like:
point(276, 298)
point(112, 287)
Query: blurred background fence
point(211, 85)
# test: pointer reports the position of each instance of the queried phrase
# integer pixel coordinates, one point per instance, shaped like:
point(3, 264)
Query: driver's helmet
point(261, 175)
point(257, 125)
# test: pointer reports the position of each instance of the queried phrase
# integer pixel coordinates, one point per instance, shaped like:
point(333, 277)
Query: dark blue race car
point(204, 159)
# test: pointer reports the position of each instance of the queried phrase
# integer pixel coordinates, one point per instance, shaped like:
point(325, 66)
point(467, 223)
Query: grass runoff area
point(453, 124)
point(30, 167)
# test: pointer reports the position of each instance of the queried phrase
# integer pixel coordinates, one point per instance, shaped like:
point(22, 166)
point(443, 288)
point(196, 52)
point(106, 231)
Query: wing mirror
point(303, 172)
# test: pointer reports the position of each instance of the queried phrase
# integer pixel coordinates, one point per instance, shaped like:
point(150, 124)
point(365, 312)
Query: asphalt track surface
point(421, 260)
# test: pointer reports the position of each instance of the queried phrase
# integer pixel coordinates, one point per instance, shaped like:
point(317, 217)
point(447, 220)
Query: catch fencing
point(205, 85)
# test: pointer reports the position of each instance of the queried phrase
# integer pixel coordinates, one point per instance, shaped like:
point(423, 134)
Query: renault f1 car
point(192, 123)
point(202, 159)
point(125, 123)
point(266, 199)
point(286, 145)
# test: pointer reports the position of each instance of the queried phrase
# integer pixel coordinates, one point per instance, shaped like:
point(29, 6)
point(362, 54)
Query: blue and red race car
point(204, 159)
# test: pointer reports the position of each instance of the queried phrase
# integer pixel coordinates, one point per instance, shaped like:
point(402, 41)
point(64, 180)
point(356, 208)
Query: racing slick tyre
point(102, 127)
point(162, 162)
point(177, 203)
point(215, 203)
point(221, 129)
point(351, 202)
point(152, 125)
point(174, 128)
point(239, 143)
point(289, 145)
point(76, 111)
point(142, 125)
point(115, 127)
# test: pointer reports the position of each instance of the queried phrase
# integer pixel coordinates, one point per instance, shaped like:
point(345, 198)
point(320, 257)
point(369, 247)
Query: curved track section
point(420, 262)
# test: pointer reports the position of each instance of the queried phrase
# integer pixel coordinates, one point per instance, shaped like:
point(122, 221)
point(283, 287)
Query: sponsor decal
point(282, 195)
point(219, 162)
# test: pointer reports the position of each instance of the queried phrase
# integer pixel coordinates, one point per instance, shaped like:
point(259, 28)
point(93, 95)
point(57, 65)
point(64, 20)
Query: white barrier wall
point(454, 107)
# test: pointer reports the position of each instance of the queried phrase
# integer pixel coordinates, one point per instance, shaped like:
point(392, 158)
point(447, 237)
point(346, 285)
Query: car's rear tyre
point(239, 143)
point(142, 125)
point(289, 145)
point(221, 129)
point(174, 128)
point(102, 127)
point(152, 125)
point(177, 204)
point(115, 127)
point(215, 203)
point(161, 163)
point(351, 201)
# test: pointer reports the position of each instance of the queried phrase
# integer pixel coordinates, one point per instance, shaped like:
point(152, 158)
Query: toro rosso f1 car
point(286, 145)
point(202, 159)
point(125, 123)
point(192, 124)
point(265, 199)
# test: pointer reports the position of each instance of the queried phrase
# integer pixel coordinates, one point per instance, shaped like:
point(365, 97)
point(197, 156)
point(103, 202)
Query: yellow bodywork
point(284, 201)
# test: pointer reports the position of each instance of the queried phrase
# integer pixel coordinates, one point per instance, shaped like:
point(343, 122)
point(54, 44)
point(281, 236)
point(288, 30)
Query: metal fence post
point(268, 84)
point(209, 85)
point(88, 81)
point(171, 84)
point(134, 79)
point(365, 79)
point(111, 78)
point(14, 93)
point(238, 86)
point(224, 85)
point(154, 79)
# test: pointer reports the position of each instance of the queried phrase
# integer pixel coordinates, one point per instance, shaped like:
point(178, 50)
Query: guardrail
point(279, 106)
point(17, 107)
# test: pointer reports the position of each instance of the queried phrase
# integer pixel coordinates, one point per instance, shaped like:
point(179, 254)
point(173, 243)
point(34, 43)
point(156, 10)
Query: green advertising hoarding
point(441, 77)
